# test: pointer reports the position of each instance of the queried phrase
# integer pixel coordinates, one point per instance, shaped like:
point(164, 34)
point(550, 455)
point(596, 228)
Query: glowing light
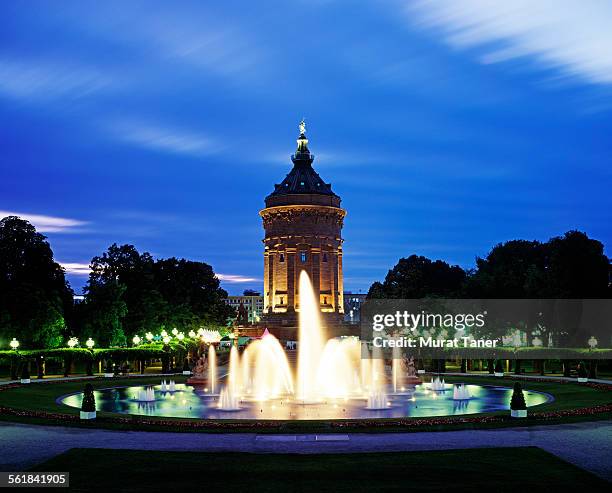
point(592, 342)
point(164, 333)
point(136, 340)
point(537, 342)
point(14, 344)
point(149, 336)
point(180, 336)
point(174, 331)
point(166, 340)
point(192, 334)
point(90, 343)
point(72, 342)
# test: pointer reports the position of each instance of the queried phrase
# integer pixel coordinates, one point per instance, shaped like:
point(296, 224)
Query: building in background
point(253, 303)
point(352, 306)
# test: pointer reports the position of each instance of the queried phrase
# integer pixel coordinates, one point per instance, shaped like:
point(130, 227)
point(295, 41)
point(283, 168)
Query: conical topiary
point(89, 400)
point(582, 371)
point(25, 371)
point(517, 403)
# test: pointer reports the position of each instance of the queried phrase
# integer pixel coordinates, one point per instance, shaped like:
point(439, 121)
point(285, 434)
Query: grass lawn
point(494, 469)
point(42, 397)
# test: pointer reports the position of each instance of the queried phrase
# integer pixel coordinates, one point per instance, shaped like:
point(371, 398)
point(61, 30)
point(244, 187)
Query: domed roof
point(302, 179)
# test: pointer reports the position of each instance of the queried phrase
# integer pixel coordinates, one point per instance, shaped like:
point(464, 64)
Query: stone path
point(587, 445)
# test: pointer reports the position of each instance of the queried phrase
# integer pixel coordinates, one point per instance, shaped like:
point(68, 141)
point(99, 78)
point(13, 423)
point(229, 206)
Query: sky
point(446, 127)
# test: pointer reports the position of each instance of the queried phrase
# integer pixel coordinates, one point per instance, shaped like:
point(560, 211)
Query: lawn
point(491, 469)
point(42, 397)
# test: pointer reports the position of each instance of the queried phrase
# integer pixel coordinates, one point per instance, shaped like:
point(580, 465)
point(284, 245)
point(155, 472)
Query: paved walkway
point(587, 445)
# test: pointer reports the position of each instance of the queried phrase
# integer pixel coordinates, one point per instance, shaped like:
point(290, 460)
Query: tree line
point(570, 267)
point(127, 292)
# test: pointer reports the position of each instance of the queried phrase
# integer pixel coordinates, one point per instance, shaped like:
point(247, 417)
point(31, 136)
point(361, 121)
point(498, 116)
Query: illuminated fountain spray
point(377, 397)
point(311, 343)
point(212, 369)
point(269, 374)
point(326, 369)
point(395, 368)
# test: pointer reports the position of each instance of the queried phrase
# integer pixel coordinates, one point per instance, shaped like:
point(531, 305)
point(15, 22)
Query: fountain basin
point(191, 404)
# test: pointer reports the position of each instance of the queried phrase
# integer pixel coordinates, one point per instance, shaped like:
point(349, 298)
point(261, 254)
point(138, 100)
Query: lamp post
point(180, 336)
point(592, 342)
point(14, 345)
point(90, 343)
point(192, 334)
point(149, 336)
point(136, 340)
point(72, 342)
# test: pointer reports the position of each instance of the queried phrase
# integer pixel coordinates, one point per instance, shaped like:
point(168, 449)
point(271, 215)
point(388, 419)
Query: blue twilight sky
point(446, 127)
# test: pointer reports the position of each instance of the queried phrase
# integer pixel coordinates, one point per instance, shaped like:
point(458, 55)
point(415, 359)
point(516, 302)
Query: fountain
point(461, 392)
point(163, 386)
point(437, 384)
point(377, 400)
point(212, 369)
point(311, 343)
point(146, 395)
point(228, 401)
point(335, 378)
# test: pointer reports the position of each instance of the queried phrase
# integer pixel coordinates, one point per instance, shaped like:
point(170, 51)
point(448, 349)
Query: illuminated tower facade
point(303, 231)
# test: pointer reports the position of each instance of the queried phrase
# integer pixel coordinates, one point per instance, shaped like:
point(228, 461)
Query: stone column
point(291, 252)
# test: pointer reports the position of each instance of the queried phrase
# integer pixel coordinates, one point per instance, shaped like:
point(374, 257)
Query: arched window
point(324, 257)
point(281, 258)
point(303, 257)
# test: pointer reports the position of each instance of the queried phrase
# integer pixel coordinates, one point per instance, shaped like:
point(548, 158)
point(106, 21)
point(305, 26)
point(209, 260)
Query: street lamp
point(90, 343)
point(73, 341)
point(149, 336)
point(180, 336)
point(164, 333)
point(174, 331)
point(166, 339)
point(592, 342)
point(192, 334)
point(136, 340)
point(14, 344)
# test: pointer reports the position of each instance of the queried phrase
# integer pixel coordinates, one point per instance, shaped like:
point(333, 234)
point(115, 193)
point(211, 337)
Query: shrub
point(25, 370)
point(89, 401)
point(498, 367)
point(518, 399)
point(186, 365)
point(582, 371)
point(109, 366)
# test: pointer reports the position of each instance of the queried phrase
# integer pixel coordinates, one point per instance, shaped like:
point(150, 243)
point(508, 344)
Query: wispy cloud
point(235, 278)
point(75, 268)
point(47, 224)
point(166, 139)
point(43, 80)
point(572, 37)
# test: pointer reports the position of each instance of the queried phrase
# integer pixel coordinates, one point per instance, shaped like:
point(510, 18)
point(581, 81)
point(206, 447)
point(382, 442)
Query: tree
point(88, 404)
point(35, 298)
point(191, 292)
point(102, 313)
point(419, 277)
point(128, 292)
point(517, 403)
